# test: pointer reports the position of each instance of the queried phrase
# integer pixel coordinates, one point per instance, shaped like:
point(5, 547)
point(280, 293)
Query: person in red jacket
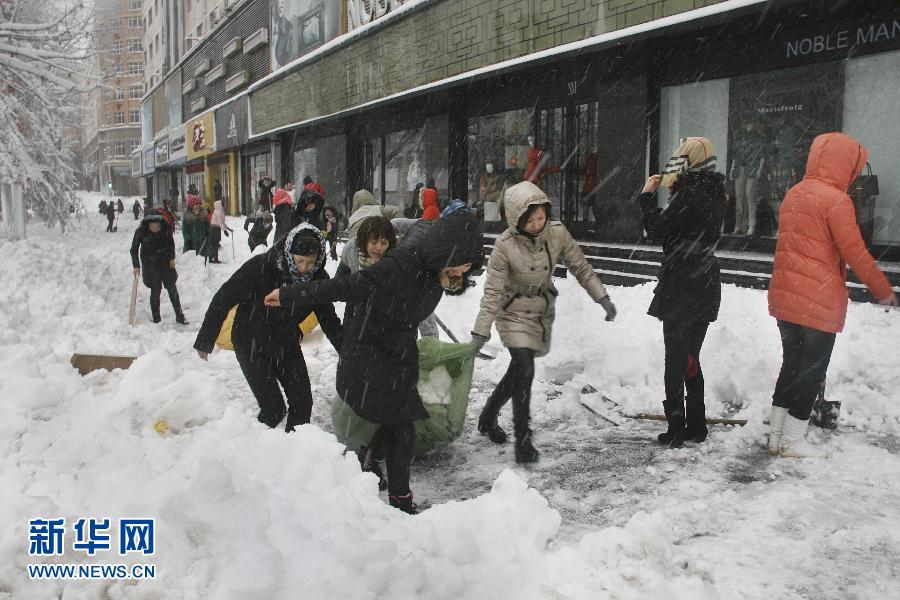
point(818, 238)
point(282, 207)
point(309, 184)
point(430, 210)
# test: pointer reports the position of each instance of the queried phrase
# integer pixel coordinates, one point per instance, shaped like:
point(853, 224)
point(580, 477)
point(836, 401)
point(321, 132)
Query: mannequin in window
point(784, 173)
point(537, 161)
point(590, 198)
point(746, 169)
point(490, 184)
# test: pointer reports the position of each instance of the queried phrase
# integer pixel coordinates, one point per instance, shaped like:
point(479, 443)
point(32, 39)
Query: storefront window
point(414, 156)
point(326, 163)
point(257, 166)
point(762, 126)
point(498, 154)
point(692, 110)
point(870, 115)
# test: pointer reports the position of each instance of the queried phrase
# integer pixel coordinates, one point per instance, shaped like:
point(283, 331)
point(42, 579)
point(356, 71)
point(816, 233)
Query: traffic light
point(109, 184)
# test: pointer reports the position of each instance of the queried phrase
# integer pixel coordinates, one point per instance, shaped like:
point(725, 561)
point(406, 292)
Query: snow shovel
point(132, 308)
point(455, 340)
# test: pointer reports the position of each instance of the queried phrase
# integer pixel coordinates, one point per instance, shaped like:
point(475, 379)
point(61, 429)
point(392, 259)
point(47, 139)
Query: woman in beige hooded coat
point(520, 298)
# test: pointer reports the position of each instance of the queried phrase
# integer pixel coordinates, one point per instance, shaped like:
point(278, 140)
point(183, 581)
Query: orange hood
point(836, 159)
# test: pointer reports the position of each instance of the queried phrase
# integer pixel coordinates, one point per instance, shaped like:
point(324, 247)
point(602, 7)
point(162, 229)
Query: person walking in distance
point(153, 257)
point(818, 239)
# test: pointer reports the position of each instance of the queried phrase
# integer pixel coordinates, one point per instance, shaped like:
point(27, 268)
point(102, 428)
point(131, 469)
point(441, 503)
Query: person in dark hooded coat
point(379, 366)
point(687, 296)
point(153, 256)
point(309, 209)
point(111, 216)
point(267, 340)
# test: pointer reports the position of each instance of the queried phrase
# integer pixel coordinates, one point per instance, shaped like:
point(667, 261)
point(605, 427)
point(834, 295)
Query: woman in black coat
point(153, 256)
point(379, 366)
point(687, 297)
point(266, 339)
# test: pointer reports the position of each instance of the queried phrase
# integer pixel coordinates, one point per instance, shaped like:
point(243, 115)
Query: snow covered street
point(247, 512)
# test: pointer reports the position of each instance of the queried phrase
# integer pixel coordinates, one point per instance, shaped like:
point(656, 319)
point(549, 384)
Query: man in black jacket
point(379, 366)
point(267, 340)
point(110, 216)
point(154, 244)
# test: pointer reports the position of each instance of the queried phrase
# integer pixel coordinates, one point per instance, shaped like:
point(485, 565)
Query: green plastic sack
point(445, 421)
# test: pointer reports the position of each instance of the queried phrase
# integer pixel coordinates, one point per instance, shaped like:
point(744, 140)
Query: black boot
point(404, 503)
point(156, 318)
point(695, 420)
point(675, 435)
point(525, 451)
point(179, 318)
point(369, 464)
point(487, 422)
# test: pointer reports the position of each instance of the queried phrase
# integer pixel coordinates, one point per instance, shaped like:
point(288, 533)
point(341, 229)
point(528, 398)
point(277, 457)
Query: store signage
point(200, 136)
point(841, 39)
point(231, 124)
point(162, 151)
point(361, 12)
point(149, 159)
point(177, 146)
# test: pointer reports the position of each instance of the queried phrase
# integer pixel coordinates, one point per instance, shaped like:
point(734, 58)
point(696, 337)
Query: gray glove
point(479, 341)
point(609, 307)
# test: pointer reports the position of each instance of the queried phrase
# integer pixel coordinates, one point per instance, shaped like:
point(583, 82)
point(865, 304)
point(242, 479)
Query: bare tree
point(44, 46)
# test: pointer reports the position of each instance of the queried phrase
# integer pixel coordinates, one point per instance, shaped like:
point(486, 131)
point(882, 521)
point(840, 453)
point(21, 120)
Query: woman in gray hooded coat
point(520, 299)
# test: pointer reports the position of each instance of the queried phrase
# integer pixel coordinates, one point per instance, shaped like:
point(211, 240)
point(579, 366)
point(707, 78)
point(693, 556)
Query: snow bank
point(243, 511)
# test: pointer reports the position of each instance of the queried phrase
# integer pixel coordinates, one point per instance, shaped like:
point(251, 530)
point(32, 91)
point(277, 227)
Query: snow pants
point(167, 280)
point(263, 374)
point(396, 443)
point(683, 341)
point(516, 384)
point(806, 353)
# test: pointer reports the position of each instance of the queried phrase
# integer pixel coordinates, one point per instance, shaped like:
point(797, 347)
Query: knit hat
point(303, 240)
point(694, 154)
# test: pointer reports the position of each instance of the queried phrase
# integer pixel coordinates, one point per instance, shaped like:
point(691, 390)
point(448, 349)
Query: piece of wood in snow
point(85, 363)
point(594, 407)
point(709, 420)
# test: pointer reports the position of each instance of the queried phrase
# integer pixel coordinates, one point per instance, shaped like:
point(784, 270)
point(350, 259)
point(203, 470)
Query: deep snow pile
point(246, 512)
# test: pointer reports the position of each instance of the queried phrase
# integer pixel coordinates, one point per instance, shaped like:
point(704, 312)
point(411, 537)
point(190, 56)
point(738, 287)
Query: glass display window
point(498, 154)
point(871, 88)
point(326, 164)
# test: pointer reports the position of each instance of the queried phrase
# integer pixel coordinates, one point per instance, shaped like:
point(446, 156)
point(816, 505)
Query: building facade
point(112, 114)
point(468, 93)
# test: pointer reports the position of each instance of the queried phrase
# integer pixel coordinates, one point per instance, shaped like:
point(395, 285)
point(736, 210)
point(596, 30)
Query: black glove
point(226, 232)
point(609, 307)
point(479, 341)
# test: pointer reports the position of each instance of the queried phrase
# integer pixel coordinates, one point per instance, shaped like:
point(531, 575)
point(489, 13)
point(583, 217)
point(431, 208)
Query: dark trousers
point(516, 384)
point(396, 443)
point(806, 353)
point(263, 374)
point(683, 341)
point(109, 226)
point(215, 236)
point(156, 286)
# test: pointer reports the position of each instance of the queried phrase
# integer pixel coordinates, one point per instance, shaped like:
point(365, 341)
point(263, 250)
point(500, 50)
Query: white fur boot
point(793, 441)
point(776, 425)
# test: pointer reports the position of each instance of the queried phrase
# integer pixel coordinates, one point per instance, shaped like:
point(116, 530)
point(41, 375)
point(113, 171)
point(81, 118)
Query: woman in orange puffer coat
point(430, 209)
point(818, 238)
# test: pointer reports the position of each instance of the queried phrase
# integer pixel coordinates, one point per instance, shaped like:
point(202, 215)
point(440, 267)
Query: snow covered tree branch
point(44, 72)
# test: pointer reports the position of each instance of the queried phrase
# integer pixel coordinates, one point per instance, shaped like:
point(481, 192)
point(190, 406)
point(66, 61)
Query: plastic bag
point(445, 421)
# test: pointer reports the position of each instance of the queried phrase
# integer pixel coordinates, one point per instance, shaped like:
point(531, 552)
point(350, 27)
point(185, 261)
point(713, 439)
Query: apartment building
point(112, 112)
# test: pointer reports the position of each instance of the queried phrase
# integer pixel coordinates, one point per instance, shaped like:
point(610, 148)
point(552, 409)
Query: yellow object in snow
point(224, 339)
point(161, 427)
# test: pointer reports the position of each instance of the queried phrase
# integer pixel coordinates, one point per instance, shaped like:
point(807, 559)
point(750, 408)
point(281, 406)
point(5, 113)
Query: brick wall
point(440, 40)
